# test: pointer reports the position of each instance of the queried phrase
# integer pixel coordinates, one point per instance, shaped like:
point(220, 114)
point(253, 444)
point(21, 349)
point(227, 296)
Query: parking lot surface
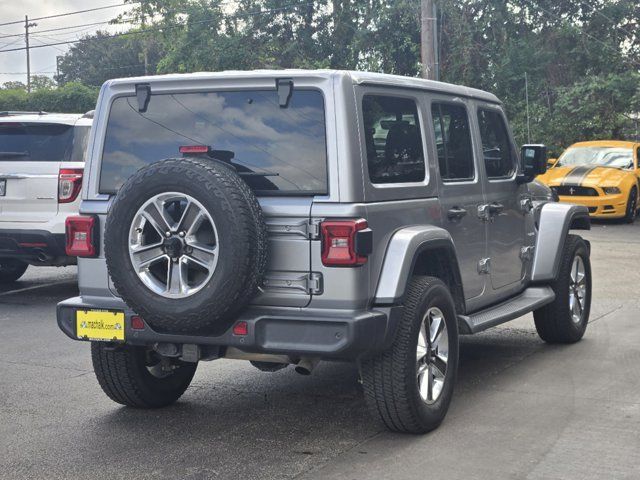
point(522, 409)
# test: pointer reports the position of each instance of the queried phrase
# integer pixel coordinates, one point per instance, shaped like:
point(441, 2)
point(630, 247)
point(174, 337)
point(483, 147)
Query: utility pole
point(526, 94)
point(145, 47)
point(27, 25)
point(428, 40)
point(58, 61)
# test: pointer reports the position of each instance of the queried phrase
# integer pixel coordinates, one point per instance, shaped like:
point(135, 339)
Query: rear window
point(276, 150)
point(42, 142)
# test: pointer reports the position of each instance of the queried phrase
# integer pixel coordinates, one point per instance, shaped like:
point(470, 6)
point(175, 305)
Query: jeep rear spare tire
point(185, 245)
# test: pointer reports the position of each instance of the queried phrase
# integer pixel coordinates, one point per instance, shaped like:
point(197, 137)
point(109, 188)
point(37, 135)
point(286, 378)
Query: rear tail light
point(345, 242)
point(81, 236)
point(69, 184)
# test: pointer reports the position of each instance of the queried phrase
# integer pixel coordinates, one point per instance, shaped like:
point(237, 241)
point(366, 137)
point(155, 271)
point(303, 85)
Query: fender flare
point(555, 221)
point(402, 252)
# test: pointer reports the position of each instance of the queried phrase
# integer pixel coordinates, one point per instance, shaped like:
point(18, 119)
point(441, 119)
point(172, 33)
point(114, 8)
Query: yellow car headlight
point(611, 190)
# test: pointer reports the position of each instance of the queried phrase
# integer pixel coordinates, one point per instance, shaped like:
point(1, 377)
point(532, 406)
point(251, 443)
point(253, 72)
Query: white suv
point(41, 170)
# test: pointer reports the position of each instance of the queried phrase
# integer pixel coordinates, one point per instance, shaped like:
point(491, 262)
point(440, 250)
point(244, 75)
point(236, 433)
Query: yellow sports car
point(602, 175)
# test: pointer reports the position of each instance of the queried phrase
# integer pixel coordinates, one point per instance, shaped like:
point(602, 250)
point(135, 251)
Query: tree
point(14, 85)
point(42, 82)
point(97, 58)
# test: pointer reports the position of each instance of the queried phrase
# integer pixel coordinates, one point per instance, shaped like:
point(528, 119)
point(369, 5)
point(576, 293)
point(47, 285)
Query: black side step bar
point(531, 299)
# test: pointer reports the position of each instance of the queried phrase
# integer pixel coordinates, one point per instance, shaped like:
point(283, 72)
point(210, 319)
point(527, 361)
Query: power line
point(163, 28)
point(70, 13)
point(23, 73)
point(65, 28)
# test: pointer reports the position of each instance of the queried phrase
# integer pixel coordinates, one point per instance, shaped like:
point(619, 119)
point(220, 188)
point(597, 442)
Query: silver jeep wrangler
point(288, 217)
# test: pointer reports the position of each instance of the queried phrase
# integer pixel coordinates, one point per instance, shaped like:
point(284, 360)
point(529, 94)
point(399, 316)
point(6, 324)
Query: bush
point(70, 98)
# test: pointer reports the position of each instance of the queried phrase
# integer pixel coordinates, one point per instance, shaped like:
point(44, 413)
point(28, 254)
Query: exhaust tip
point(302, 370)
point(306, 365)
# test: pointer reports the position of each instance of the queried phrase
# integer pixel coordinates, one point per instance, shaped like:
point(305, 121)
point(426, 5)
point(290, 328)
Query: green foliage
point(582, 58)
point(14, 85)
point(99, 57)
point(70, 98)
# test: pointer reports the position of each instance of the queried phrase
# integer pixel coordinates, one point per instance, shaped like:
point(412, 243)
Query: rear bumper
point(338, 334)
point(604, 206)
point(31, 245)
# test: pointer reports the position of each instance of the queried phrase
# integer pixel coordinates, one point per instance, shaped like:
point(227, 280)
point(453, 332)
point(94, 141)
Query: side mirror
point(534, 162)
point(551, 162)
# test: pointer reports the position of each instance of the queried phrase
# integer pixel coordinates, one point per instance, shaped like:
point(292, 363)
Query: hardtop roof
point(357, 78)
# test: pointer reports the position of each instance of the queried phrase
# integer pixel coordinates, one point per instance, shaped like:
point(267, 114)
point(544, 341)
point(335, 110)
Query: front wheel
point(11, 269)
point(138, 377)
point(565, 319)
point(409, 387)
point(632, 206)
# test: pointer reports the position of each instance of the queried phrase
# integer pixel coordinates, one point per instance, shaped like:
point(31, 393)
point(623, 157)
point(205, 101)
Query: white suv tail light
point(69, 184)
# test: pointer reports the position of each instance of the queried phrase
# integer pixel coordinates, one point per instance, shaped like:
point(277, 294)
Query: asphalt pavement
point(522, 409)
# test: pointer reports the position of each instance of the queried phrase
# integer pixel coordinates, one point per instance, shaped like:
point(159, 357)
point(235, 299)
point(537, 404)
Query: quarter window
point(496, 146)
point(393, 139)
point(453, 141)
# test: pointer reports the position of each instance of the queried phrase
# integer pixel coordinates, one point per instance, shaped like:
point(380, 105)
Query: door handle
point(495, 208)
point(456, 213)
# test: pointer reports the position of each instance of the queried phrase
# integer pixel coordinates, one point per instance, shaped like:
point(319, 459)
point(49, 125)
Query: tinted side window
point(453, 141)
point(80, 140)
point(393, 139)
point(35, 142)
point(496, 146)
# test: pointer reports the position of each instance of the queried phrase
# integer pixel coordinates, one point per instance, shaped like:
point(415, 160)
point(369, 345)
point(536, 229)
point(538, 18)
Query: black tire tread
point(630, 216)
point(11, 270)
point(552, 321)
point(386, 379)
point(250, 242)
point(117, 371)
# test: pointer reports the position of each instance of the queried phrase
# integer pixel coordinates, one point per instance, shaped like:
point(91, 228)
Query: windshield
point(275, 150)
point(42, 142)
point(604, 156)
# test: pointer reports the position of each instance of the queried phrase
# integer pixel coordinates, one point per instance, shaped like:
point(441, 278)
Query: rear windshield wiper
point(258, 174)
point(13, 154)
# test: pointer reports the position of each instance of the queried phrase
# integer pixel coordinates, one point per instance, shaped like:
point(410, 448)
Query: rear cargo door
point(30, 156)
point(289, 281)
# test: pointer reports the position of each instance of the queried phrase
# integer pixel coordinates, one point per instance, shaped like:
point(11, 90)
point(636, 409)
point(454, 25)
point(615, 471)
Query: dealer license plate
point(104, 325)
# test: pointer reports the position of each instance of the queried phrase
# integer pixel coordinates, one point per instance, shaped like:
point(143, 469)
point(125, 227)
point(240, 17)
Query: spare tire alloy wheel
point(186, 245)
point(173, 245)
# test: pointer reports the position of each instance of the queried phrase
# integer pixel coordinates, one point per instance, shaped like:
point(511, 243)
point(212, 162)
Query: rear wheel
point(11, 269)
point(632, 206)
point(138, 377)
point(409, 387)
point(565, 319)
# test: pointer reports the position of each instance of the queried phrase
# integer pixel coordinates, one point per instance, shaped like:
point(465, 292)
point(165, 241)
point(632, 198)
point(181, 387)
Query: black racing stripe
point(577, 175)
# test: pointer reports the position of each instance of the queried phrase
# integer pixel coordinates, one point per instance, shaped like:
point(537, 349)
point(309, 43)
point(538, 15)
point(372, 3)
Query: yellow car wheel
point(632, 206)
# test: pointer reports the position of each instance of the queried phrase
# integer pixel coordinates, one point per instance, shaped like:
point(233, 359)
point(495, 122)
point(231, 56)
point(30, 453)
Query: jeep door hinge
point(313, 228)
point(484, 266)
point(314, 284)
